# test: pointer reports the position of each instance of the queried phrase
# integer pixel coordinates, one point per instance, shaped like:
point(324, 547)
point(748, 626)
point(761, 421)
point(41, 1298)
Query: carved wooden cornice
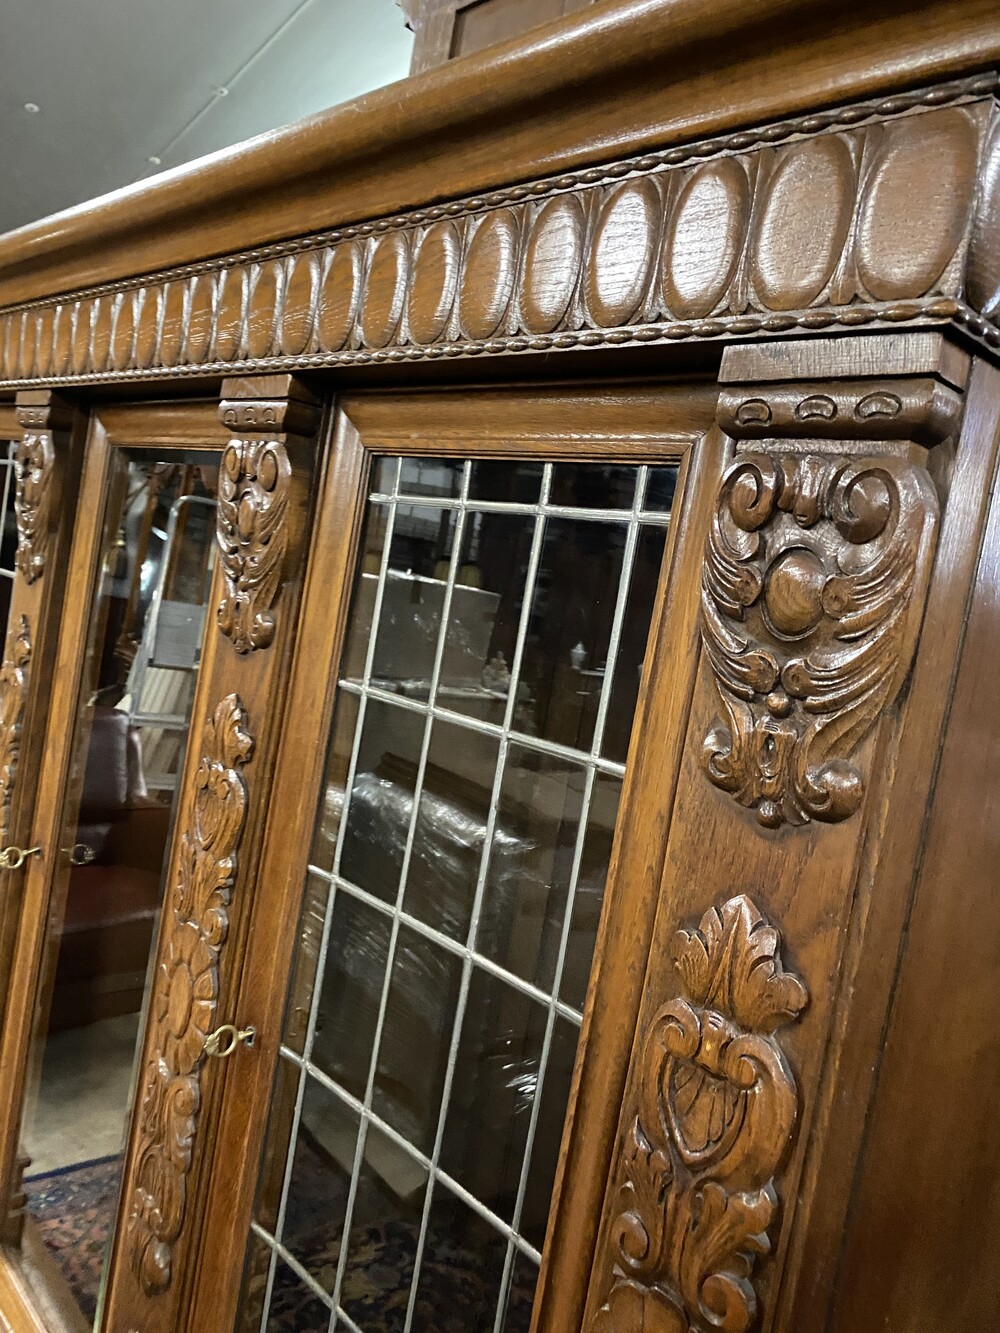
point(618, 79)
point(808, 224)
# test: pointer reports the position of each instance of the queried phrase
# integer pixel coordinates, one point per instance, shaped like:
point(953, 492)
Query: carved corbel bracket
point(40, 414)
point(254, 488)
point(817, 563)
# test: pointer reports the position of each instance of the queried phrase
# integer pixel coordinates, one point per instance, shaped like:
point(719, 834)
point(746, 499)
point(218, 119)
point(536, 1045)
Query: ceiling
point(127, 88)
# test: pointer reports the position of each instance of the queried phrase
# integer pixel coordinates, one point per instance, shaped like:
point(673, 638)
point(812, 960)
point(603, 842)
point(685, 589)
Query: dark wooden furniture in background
point(740, 254)
point(446, 29)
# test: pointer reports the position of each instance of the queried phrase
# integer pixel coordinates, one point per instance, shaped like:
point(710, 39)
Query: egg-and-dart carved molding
point(813, 590)
point(13, 702)
point(185, 997)
point(795, 225)
point(715, 1122)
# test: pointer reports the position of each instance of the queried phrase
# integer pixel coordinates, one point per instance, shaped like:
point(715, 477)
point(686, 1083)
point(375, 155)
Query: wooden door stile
point(630, 903)
point(298, 773)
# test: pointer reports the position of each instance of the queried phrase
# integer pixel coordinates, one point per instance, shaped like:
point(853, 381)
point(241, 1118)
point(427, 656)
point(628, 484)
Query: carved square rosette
point(813, 586)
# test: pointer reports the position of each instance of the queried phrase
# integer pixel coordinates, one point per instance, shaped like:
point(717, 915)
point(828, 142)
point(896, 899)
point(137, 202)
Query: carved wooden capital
point(43, 410)
point(185, 997)
point(715, 1123)
point(815, 573)
point(921, 409)
point(254, 487)
point(269, 405)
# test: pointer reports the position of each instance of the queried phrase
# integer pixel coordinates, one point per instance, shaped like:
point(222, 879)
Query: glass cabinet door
point(136, 840)
point(143, 615)
point(41, 448)
point(140, 668)
point(481, 709)
point(364, 850)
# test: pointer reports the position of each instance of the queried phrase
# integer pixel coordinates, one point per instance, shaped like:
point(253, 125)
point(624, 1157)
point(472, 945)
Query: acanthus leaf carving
point(716, 1118)
point(185, 997)
point(34, 460)
point(13, 701)
point(813, 589)
point(254, 482)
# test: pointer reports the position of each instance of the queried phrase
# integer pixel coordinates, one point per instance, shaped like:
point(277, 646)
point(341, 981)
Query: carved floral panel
point(253, 499)
point(185, 997)
point(716, 1118)
point(13, 701)
point(813, 590)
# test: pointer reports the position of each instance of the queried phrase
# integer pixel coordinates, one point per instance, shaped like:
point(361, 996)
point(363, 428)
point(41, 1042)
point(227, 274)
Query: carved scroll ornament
point(716, 1119)
point(185, 997)
point(13, 700)
point(33, 465)
point(813, 591)
point(253, 499)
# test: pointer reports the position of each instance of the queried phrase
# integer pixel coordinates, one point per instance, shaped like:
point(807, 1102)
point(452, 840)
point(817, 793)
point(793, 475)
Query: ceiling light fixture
point(32, 108)
point(154, 160)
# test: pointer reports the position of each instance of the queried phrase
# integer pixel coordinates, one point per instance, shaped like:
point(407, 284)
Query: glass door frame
point(627, 424)
point(240, 681)
point(49, 434)
point(187, 427)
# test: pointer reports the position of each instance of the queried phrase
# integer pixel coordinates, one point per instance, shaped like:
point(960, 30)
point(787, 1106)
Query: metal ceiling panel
point(329, 52)
point(119, 81)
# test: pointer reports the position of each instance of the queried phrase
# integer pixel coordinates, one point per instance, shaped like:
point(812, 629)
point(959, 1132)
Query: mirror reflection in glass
point(139, 677)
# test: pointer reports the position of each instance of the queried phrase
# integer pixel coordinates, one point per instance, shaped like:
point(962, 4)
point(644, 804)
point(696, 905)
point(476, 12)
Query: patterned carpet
point(74, 1209)
point(460, 1275)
